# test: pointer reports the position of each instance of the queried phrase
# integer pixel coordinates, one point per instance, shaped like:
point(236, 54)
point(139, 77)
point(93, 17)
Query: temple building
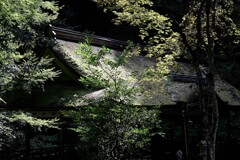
point(178, 98)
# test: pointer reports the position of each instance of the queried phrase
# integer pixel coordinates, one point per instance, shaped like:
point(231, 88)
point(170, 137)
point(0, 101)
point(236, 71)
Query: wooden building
point(179, 99)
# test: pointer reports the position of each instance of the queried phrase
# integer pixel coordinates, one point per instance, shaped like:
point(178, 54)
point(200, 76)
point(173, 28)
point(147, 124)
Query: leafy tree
point(204, 32)
point(7, 133)
point(21, 32)
point(13, 128)
point(111, 125)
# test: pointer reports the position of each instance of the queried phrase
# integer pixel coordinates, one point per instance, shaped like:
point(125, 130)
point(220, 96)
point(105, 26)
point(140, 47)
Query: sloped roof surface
point(66, 51)
point(227, 93)
point(175, 91)
point(181, 87)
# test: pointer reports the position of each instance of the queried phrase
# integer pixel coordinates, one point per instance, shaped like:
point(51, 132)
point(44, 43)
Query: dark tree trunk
point(207, 95)
point(206, 79)
point(209, 117)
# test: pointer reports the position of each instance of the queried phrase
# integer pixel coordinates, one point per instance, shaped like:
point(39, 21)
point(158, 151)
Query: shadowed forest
point(119, 80)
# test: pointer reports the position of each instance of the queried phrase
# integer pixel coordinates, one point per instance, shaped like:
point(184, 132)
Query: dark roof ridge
point(75, 36)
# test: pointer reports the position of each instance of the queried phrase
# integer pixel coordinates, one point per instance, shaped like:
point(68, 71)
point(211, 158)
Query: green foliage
point(27, 73)
point(223, 31)
point(21, 31)
point(7, 133)
point(13, 126)
point(25, 119)
point(42, 140)
point(153, 27)
point(115, 130)
point(104, 70)
point(27, 12)
point(205, 31)
point(112, 126)
point(161, 30)
point(155, 31)
point(21, 21)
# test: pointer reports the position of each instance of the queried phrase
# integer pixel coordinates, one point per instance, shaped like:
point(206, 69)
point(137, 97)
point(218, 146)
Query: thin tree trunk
point(206, 83)
point(208, 100)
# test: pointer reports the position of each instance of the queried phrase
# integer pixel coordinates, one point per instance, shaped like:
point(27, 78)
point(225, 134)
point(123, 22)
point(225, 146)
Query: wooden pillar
point(228, 125)
point(172, 131)
point(61, 144)
point(185, 133)
point(27, 142)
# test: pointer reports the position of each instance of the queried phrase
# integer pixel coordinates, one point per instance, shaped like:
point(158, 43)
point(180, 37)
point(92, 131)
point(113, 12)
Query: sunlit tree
point(203, 31)
point(111, 126)
point(21, 31)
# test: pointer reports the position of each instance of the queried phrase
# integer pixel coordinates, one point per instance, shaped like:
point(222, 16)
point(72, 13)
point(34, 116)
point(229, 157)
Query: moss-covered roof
point(175, 91)
point(62, 94)
point(67, 51)
point(227, 93)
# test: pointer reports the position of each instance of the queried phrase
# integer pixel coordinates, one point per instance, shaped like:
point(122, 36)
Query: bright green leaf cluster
point(21, 30)
point(26, 119)
point(115, 127)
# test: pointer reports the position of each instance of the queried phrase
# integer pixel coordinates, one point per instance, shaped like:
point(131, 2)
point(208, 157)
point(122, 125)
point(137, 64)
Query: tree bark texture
point(207, 95)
